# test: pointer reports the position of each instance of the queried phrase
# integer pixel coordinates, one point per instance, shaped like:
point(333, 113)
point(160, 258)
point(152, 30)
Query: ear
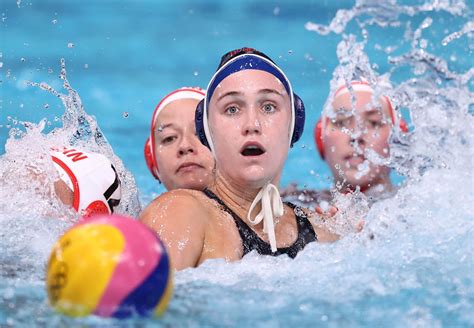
point(300, 116)
point(318, 137)
point(199, 122)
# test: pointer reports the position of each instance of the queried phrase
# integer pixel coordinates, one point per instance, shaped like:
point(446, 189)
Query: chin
point(194, 183)
point(257, 181)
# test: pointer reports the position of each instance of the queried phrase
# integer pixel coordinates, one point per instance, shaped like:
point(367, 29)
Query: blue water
point(122, 57)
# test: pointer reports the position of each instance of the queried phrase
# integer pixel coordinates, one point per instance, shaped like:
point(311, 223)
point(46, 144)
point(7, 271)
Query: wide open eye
point(231, 110)
point(269, 108)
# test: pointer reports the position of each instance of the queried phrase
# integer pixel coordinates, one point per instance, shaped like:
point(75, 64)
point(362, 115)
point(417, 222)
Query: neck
point(237, 197)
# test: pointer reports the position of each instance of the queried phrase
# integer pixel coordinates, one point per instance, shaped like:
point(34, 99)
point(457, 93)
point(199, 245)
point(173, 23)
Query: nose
point(357, 140)
point(252, 122)
point(187, 145)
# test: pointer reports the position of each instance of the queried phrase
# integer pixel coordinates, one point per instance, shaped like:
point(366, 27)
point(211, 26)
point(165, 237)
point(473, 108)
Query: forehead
point(247, 81)
point(364, 102)
point(178, 112)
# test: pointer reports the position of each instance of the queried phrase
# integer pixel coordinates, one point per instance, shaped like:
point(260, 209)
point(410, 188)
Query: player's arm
point(180, 221)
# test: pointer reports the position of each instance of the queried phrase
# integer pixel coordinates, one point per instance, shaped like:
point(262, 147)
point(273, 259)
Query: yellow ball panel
point(80, 267)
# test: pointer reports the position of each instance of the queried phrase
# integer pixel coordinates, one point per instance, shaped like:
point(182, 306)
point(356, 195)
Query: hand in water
point(328, 212)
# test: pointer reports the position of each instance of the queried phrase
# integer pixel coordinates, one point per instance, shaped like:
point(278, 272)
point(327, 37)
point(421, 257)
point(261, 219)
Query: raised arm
point(180, 220)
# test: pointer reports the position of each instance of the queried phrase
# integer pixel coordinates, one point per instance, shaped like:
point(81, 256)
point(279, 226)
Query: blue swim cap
point(236, 61)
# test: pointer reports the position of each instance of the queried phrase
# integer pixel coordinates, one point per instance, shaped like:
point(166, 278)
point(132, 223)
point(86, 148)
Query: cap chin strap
point(271, 206)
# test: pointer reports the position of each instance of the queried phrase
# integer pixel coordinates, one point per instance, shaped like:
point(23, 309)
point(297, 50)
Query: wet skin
point(247, 114)
point(349, 136)
point(182, 160)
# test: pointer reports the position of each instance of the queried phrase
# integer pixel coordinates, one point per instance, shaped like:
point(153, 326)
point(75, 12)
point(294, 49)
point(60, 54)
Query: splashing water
point(383, 14)
point(412, 265)
point(31, 216)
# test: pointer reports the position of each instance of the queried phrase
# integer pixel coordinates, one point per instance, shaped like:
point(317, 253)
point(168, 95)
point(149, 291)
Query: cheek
point(206, 156)
point(379, 140)
point(164, 158)
point(335, 139)
point(225, 129)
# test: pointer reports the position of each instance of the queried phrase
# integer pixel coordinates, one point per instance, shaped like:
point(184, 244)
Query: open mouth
point(252, 149)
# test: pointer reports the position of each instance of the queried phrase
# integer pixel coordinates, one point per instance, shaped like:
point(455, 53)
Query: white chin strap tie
point(272, 206)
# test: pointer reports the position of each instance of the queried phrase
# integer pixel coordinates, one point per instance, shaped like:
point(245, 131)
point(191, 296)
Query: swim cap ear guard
point(150, 163)
point(248, 58)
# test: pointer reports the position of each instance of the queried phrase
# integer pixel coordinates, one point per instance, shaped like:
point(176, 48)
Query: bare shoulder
point(176, 203)
point(180, 218)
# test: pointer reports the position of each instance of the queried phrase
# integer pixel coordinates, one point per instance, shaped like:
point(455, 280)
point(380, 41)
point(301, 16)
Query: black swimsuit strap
point(251, 241)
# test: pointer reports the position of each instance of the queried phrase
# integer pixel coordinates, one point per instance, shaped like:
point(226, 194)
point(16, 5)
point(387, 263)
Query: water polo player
point(352, 137)
point(173, 153)
point(88, 181)
point(249, 102)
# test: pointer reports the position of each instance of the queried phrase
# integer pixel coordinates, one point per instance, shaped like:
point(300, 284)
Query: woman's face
point(356, 133)
point(183, 162)
point(249, 120)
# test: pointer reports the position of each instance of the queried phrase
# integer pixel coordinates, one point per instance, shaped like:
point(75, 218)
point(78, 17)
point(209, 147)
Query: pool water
point(413, 263)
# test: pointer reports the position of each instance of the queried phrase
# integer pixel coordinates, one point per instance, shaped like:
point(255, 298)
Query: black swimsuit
point(251, 241)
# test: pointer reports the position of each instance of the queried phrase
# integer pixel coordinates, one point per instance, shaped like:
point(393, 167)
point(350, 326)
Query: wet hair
point(241, 51)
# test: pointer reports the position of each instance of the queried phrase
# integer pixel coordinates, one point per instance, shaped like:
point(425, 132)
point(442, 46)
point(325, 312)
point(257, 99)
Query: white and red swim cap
point(91, 177)
point(182, 93)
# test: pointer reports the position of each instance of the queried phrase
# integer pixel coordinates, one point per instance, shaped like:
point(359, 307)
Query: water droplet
point(70, 45)
point(22, 105)
point(125, 114)
point(423, 43)
point(46, 106)
point(50, 70)
point(426, 23)
point(1, 64)
point(196, 73)
point(308, 57)
point(276, 11)
point(290, 52)
point(22, 59)
point(54, 21)
point(86, 66)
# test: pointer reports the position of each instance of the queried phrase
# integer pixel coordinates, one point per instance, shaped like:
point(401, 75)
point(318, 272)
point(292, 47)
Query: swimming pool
point(121, 58)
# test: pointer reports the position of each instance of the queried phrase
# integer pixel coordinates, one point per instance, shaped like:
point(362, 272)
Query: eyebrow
point(161, 127)
point(230, 93)
point(269, 91)
point(262, 91)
